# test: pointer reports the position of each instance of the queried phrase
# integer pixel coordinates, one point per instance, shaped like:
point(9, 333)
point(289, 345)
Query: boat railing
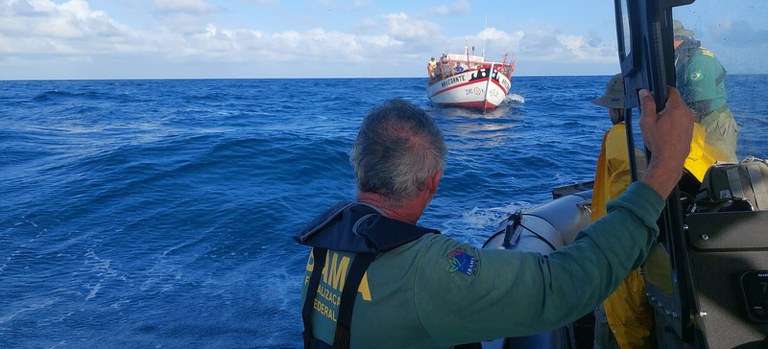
point(446, 67)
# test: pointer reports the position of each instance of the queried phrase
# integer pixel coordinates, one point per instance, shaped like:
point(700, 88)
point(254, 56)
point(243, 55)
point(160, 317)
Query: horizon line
point(289, 78)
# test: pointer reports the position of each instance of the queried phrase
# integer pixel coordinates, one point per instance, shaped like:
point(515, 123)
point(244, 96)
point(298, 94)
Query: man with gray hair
point(376, 279)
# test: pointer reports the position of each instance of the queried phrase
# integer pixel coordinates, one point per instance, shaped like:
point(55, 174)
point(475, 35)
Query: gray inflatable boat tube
point(543, 229)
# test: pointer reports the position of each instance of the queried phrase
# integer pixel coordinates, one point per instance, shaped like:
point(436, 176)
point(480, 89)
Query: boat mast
point(466, 52)
point(484, 28)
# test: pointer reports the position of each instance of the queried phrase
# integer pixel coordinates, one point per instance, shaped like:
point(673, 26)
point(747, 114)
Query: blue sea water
point(159, 213)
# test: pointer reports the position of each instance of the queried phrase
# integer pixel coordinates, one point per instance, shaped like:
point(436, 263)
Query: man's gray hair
point(397, 148)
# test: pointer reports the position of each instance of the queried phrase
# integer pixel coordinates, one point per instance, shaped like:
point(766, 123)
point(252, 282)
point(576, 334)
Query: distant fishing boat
point(464, 80)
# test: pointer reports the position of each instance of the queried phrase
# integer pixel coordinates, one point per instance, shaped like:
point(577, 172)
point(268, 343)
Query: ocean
point(159, 213)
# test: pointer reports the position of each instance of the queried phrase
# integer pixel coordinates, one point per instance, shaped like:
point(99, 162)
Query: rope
point(517, 221)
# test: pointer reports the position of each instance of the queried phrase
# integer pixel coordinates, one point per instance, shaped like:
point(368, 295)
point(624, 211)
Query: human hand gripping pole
point(668, 136)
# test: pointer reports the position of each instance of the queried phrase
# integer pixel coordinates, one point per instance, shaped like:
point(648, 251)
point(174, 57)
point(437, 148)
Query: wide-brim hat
point(680, 30)
point(614, 94)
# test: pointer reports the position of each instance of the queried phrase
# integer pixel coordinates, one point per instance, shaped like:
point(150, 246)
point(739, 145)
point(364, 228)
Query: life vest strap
point(348, 295)
point(319, 256)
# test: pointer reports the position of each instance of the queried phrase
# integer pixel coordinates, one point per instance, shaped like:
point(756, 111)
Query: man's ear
point(433, 181)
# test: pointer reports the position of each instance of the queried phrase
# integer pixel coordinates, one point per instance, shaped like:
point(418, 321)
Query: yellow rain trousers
point(629, 314)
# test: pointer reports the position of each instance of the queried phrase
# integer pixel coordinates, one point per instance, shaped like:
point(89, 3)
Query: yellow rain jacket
point(629, 314)
point(702, 154)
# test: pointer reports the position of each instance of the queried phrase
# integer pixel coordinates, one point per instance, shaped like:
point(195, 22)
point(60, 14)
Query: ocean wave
point(52, 95)
point(130, 205)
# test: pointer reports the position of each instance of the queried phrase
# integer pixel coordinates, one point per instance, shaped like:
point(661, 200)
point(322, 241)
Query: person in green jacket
point(701, 80)
point(436, 292)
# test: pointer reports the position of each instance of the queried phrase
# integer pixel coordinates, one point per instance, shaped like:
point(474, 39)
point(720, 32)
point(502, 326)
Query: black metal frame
point(719, 261)
point(647, 62)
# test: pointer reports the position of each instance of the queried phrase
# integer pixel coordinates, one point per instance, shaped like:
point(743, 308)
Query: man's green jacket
point(436, 292)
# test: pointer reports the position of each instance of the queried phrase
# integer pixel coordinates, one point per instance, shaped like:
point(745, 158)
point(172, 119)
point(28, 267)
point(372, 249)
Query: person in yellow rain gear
point(431, 67)
point(628, 313)
point(611, 179)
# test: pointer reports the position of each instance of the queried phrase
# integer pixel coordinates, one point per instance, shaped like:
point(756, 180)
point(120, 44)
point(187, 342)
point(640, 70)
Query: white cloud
point(186, 16)
point(584, 49)
point(550, 45)
point(404, 28)
point(42, 26)
point(314, 46)
point(183, 6)
point(71, 31)
point(458, 7)
point(367, 24)
point(500, 40)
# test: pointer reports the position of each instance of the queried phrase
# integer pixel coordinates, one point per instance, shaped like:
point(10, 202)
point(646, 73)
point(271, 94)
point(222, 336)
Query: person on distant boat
point(458, 68)
point(701, 79)
point(431, 68)
point(376, 279)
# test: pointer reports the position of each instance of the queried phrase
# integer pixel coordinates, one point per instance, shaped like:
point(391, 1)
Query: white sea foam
point(514, 98)
point(30, 307)
point(94, 290)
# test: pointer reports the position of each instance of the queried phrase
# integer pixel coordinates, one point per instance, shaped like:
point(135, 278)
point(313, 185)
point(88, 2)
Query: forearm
point(592, 267)
point(662, 176)
point(522, 293)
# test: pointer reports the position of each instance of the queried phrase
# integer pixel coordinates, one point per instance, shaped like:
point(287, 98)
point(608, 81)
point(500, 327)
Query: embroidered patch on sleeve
point(460, 261)
point(696, 75)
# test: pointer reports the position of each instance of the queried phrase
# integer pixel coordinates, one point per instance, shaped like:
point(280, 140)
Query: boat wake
point(514, 99)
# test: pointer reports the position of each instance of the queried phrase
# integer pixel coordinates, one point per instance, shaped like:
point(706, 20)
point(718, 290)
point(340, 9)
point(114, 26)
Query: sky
point(134, 39)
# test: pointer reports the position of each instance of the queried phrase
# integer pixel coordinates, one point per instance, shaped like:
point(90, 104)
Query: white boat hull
point(482, 89)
